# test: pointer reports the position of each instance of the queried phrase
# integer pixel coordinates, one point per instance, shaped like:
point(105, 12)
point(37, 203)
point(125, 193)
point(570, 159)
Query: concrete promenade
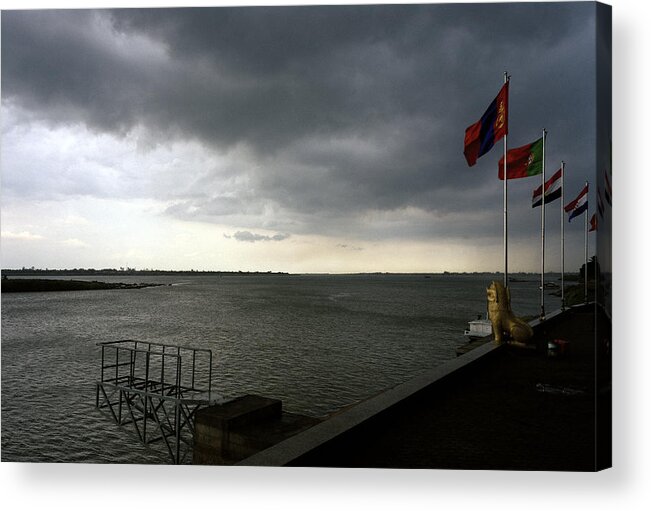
point(510, 409)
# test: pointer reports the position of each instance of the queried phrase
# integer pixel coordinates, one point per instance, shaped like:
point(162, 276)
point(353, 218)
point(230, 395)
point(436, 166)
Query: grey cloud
point(349, 247)
point(345, 109)
point(253, 237)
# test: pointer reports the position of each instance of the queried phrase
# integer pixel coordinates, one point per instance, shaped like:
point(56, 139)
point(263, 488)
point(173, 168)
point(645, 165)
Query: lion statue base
point(506, 326)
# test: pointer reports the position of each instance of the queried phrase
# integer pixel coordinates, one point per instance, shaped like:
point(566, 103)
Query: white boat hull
point(478, 328)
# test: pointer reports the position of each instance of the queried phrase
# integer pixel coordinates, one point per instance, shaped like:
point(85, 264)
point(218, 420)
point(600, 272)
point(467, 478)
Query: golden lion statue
point(506, 326)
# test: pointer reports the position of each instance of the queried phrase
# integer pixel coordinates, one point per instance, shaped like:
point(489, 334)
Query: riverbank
point(47, 285)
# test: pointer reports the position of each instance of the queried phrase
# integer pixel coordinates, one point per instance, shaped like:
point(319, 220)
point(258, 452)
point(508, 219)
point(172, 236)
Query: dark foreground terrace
point(506, 409)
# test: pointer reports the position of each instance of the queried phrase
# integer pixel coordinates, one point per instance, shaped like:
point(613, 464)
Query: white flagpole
point(562, 235)
point(542, 229)
point(506, 250)
point(585, 271)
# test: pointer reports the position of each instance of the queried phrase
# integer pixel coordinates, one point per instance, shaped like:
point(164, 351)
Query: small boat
point(479, 328)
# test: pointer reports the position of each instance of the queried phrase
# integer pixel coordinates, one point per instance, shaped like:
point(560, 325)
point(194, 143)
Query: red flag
point(593, 223)
point(522, 161)
point(493, 125)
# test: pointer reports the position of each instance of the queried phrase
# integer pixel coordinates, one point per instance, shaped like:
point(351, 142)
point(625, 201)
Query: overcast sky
point(300, 139)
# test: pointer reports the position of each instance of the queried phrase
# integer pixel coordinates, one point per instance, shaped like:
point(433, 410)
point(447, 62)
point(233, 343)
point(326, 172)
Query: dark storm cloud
point(344, 109)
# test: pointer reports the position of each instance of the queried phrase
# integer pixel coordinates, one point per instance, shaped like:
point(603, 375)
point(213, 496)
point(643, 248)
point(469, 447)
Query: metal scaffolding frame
point(156, 383)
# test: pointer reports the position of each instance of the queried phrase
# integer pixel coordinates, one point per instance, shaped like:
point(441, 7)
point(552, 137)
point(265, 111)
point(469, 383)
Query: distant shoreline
point(47, 285)
point(110, 272)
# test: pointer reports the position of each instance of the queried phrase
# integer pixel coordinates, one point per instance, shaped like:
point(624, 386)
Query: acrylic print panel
point(277, 236)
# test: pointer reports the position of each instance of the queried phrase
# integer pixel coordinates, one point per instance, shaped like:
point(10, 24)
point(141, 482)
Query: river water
point(317, 342)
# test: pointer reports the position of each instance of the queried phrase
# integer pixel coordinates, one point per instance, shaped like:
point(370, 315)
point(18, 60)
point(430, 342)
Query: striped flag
point(552, 190)
point(578, 205)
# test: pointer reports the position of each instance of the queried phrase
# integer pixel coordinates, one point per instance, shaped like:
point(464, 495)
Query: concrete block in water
point(217, 438)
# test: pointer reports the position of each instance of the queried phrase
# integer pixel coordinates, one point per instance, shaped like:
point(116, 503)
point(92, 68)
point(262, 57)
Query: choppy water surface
point(318, 343)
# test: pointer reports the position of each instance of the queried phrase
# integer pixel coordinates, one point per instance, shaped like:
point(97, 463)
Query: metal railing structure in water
point(157, 388)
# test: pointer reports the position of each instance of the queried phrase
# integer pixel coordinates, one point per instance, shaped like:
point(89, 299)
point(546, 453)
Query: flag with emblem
point(493, 125)
point(523, 161)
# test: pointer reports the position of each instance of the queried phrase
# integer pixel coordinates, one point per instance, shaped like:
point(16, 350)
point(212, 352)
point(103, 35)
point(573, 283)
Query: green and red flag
point(523, 161)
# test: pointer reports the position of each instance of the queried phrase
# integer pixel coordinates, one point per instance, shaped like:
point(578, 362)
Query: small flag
point(593, 223)
point(493, 125)
point(608, 191)
point(578, 205)
point(522, 161)
point(552, 190)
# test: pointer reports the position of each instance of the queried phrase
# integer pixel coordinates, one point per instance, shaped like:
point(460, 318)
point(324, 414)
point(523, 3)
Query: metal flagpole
point(542, 229)
point(585, 271)
point(562, 236)
point(506, 250)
